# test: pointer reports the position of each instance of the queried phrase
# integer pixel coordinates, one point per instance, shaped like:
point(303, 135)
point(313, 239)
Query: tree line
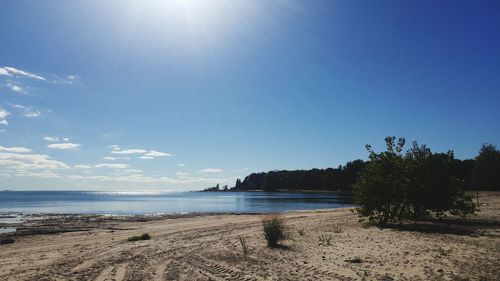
point(480, 173)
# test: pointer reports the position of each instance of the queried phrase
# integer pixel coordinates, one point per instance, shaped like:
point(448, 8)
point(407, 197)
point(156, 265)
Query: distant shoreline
point(283, 190)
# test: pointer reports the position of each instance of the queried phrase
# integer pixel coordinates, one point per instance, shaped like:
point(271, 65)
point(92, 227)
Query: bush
point(274, 230)
point(144, 236)
point(412, 185)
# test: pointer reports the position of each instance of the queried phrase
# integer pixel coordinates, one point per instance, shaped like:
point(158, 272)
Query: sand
point(207, 247)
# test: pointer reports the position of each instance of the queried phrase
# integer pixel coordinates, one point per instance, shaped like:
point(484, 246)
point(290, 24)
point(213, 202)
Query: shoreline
point(207, 247)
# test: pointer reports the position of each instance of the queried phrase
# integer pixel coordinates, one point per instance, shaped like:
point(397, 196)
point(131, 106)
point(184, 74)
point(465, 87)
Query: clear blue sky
point(179, 95)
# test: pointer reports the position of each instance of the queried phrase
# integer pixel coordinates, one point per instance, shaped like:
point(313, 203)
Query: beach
point(329, 244)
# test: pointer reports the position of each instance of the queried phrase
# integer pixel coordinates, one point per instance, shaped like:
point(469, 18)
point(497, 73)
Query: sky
point(180, 95)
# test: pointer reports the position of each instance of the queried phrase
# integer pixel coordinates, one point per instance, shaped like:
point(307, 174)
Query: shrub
point(274, 230)
point(325, 239)
point(412, 185)
point(144, 236)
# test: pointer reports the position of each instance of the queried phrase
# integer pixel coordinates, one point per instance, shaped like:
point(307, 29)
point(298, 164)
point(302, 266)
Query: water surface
point(130, 203)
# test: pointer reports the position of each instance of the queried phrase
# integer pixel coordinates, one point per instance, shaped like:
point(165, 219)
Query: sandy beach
point(207, 247)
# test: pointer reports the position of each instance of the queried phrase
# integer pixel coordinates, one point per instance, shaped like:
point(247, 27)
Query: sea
point(137, 203)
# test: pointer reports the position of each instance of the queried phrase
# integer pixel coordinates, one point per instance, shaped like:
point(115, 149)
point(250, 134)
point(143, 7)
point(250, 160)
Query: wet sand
point(207, 247)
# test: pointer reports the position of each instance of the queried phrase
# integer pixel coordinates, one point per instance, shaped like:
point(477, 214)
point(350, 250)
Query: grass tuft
point(144, 236)
point(325, 239)
point(274, 230)
point(244, 246)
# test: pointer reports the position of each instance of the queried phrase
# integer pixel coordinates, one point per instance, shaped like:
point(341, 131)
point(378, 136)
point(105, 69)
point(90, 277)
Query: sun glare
point(195, 14)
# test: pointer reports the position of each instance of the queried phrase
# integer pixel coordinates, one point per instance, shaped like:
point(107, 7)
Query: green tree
point(414, 185)
point(433, 188)
point(487, 168)
point(379, 190)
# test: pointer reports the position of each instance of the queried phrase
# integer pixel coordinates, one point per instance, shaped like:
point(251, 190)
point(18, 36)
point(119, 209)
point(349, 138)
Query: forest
point(480, 173)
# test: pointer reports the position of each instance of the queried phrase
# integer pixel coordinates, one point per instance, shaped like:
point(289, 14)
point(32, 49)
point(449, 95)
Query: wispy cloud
point(154, 153)
point(3, 116)
point(146, 157)
point(132, 171)
point(114, 147)
point(15, 149)
point(27, 111)
point(129, 151)
point(15, 87)
point(113, 166)
point(32, 114)
point(146, 154)
point(82, 166)
point(11, 71)
point(18, 161)
point(51, 139)
point(211, 170)
point(181, 165)
point(112, 158)
point(64, 146)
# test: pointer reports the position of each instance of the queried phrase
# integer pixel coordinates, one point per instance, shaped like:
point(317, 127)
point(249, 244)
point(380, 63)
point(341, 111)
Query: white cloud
point(146, 157)
point(51, 139)
point(182, 174)
point(15, 88)
point(112, 158)
point(32, 114)
point(82, 166)
point(181, 165)
point(64, 146)
point(211, 170)
point(65, 139)
point(129, 151)
point(139, 178)
point(28, 111)
point(10, 71)
point(154, 153)
point(3, 115)
point(43, 174)
point(113, 166)
point(132, 171)
point(15, 149)
point(30, 161)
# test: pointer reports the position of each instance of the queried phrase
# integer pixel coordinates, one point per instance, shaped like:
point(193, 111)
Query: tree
point(487, 169)
point(379, 190)
point(433, 188)
point(414, 185)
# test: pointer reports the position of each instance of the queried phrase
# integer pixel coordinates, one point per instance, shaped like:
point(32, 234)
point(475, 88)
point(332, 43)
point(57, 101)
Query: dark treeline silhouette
point(481, 173)
point(341, 178)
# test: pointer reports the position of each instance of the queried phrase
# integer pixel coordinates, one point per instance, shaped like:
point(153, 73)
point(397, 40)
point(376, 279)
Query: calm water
point(124, 203)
